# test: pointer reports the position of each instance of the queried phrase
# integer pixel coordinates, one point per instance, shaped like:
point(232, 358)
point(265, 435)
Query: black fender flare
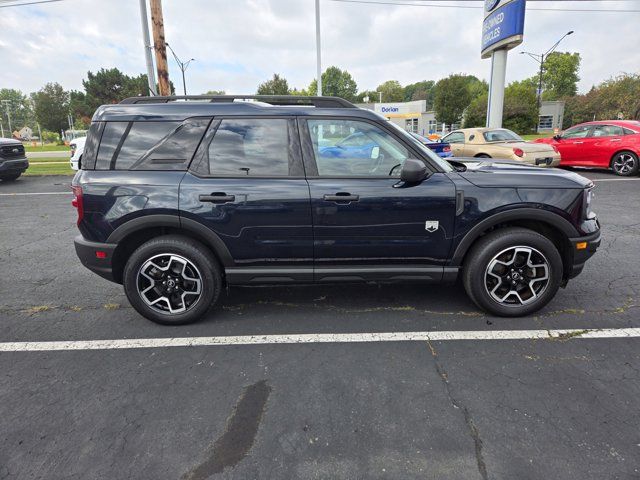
point(536, 214)
point(212, 240)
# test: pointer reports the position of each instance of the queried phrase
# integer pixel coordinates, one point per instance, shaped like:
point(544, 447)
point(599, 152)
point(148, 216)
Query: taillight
point(77, 202)
point(518, 152)
point(446, 149)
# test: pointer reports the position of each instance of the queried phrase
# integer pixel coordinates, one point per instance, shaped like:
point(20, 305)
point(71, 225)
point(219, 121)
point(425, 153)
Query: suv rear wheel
point(172, 280)
point(512, 272)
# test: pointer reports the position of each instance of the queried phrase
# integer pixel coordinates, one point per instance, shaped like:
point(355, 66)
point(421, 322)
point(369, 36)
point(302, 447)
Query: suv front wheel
point(172, 280)
point(512, 272)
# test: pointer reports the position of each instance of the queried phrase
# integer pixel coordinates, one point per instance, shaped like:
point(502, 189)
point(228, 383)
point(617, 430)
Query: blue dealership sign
point(503, 27)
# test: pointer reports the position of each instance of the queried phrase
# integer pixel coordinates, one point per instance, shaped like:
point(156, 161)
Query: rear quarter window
point(150, 145)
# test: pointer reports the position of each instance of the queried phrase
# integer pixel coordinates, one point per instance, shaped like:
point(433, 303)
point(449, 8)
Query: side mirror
point(557, 137)
point(413, 171)
point(375, 153)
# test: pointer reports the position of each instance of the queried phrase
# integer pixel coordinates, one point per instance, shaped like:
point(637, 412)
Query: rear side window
point(251, 147)
point(150, 145)
point(91, 146)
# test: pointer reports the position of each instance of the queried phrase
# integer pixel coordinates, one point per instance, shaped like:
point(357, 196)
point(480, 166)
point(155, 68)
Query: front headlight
point(586, 203)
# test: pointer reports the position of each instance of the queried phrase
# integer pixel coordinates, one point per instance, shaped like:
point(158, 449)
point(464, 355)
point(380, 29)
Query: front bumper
point(14, 166)
point(86, 252)
point(588, 246)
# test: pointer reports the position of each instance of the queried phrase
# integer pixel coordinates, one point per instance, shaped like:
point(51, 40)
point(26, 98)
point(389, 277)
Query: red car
point(611, 144)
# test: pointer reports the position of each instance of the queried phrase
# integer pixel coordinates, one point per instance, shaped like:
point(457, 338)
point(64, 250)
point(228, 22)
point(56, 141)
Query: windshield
point(446, 166)
point(501, 135)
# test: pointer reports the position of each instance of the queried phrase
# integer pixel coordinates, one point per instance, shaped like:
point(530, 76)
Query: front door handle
point(217, 197)
point(577, 143)
point(341, 197)
point(616, 139)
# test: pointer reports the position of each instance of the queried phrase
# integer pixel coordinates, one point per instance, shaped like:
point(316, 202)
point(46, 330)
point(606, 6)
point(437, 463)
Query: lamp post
point(540, 58)
point(183, 66)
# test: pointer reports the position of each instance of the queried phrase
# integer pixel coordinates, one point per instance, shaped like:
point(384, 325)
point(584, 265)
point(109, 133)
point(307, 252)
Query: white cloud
point(239, 43)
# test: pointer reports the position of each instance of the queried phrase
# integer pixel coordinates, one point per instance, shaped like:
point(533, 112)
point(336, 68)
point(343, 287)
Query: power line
point(29, 3)
point(433, 5)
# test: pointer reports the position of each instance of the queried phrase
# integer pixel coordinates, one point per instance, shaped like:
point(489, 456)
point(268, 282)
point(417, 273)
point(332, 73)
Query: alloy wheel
point(517, 276)
point(169, 283)
point(624, 163)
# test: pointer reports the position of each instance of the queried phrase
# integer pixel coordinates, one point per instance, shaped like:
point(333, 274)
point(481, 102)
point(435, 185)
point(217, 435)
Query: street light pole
point(318, 56)
point(540, 58)
point(6, 106)
point(183, 67)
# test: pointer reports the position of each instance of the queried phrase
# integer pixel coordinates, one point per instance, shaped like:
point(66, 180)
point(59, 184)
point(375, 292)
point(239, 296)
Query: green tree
point(423, 90)
point(275, 86)
point(300, 93)
point(19, 107)
point(520, 112)
point(520, 107)
point(79, 108)
point(51, 107)
point(476, 113)
point(336, 83)
point(111, 86)
point(620, 95)
point(391, 91)
point(560, 76)
point(452, 97)
point(372, 96)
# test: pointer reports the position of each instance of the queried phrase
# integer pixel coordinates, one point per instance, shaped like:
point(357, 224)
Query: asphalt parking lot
point(299, 398)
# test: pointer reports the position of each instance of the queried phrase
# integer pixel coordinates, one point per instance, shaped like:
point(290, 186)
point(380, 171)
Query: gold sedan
point(500, 143)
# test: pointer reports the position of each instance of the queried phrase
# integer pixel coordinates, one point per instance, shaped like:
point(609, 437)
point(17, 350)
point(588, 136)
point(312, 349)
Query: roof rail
point(320, 102)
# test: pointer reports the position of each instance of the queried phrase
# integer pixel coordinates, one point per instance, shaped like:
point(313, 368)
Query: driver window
point(454, 137)
point(353, 148)
point(577, 132)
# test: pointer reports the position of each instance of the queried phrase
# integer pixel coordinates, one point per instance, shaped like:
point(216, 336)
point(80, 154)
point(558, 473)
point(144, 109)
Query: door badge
point(431, 225)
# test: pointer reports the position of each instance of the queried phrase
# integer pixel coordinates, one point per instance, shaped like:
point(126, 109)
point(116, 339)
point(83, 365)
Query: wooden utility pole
point(157, 24)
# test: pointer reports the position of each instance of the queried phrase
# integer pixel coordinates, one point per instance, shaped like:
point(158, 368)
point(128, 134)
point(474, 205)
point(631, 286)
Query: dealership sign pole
point(502, 30)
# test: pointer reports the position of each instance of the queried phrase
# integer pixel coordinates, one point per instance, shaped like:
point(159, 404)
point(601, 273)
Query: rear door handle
point(577, 143)
point(616, 139)
point(341, 197)
point(217, 197)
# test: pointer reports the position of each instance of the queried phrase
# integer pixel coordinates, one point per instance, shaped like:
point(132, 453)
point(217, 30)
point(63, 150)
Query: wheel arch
point(618, 152)
point(549, 224)
point(129, 236)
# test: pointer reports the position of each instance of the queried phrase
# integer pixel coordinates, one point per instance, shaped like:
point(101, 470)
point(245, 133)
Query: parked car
point(13, 161)
point(77, 148)
point(442, 149)
point(501, 143)
point(178, 199)
point(613, 144)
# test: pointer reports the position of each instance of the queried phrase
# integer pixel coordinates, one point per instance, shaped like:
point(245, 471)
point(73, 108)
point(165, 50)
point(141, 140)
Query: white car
point(77, 147)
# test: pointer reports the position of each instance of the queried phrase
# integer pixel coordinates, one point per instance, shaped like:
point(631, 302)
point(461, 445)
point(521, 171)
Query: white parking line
point(615, 179)
point(317, 338)
point(33, 193)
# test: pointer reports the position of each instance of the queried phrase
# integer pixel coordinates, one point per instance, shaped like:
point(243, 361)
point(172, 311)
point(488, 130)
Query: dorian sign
point(503, 25)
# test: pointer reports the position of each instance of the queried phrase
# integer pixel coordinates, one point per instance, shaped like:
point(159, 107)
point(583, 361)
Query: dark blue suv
point(180, 196)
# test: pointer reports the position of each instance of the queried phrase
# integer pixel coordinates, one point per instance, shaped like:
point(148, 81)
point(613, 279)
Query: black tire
point(625, 164)
point(11, 177)
point(202, 265)
point(498, 245)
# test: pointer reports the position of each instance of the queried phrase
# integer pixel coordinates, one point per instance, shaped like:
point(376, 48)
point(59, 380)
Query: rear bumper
point(13, 166)
point(86, 252)
point(580, 256)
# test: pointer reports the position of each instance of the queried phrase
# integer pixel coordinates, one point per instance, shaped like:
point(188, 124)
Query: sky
point(238, 44)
